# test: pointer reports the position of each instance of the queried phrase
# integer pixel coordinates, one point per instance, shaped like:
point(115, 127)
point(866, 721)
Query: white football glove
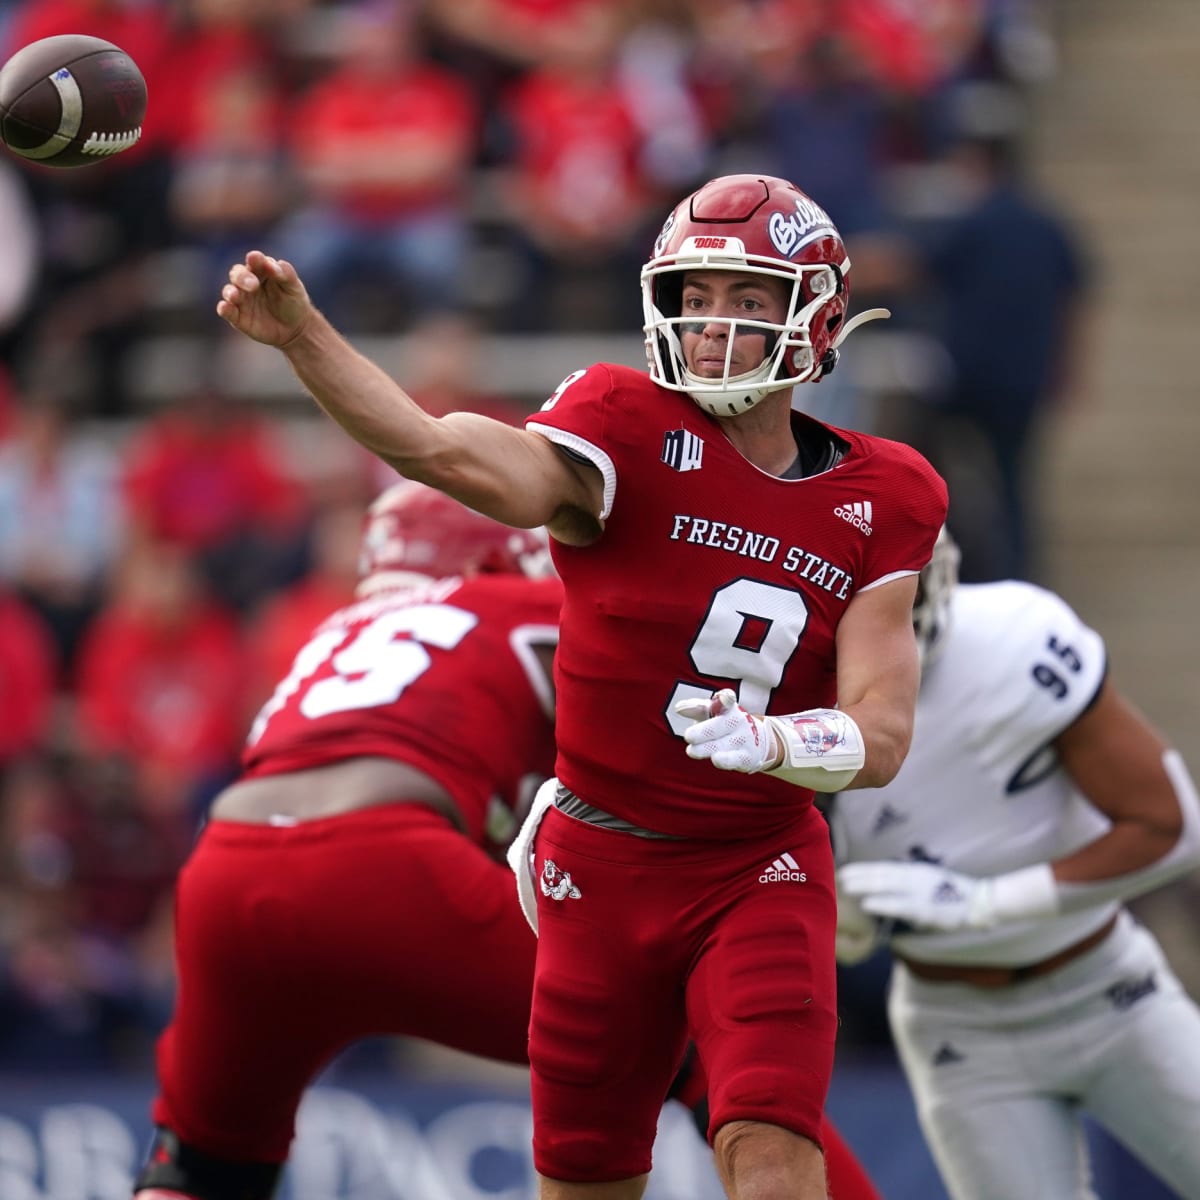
point(930, 896)
point(731, 738)
point(821, 748)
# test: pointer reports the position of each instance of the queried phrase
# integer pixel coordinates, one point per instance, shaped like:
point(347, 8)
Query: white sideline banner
point(408, 1142)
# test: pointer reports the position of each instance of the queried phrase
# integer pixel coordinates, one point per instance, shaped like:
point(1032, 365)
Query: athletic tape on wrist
point(822, 749)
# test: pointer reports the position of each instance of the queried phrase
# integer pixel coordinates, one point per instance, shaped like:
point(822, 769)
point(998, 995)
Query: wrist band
point(1029, 892)
point(822, 749)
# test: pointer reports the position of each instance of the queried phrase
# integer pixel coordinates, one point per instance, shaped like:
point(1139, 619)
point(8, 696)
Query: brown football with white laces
point(70, 101)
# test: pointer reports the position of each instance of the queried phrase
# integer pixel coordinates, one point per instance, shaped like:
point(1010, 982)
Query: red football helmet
point(413, 533)
point(760, 225)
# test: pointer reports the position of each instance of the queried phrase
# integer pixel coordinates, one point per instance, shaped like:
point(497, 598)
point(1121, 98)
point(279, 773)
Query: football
point(71, 100)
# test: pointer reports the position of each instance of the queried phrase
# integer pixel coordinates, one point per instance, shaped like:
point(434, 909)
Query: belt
point(567, 802)
point(997, 977)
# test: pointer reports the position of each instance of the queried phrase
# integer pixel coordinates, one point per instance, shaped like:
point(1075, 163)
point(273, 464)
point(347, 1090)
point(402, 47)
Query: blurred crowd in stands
point(457, 168)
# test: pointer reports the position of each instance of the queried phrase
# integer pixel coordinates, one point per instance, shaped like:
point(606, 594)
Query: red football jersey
point(443, 677)
point(710, 573)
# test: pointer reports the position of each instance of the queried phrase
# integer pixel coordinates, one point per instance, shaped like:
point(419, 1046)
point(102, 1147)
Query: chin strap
point(830, 358)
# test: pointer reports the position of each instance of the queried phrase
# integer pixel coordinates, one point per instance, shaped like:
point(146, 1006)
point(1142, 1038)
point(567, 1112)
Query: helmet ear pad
point(828, 319)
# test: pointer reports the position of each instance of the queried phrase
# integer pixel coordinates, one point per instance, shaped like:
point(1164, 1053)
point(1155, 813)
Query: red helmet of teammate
point(413, 533)
point(760, 225)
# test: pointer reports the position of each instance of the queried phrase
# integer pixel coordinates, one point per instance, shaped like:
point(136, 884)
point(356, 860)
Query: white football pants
point(1001, 1077)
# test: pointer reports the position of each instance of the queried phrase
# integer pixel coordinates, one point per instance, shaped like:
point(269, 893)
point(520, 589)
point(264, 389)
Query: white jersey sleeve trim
point(585, 449)
point(886, 579)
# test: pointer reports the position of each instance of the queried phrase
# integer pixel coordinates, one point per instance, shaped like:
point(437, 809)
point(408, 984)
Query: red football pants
point(643, 942)
point(292, 943)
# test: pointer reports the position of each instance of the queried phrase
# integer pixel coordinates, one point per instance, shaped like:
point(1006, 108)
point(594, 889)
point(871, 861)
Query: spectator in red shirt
point(577, 191)
point(159, 680)
point(915, 48)
point(383, 146)
point(216, 39)
point(209, 476)
point(491, 43)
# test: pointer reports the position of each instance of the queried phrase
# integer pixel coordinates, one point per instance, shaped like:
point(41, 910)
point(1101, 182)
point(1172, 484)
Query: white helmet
point(935, 587)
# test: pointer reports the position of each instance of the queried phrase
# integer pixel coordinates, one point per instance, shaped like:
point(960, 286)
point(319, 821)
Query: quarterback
point(1034, 800)
point(732, 572)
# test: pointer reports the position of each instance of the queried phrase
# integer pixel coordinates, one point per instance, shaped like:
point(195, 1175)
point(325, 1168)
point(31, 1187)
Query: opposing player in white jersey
point(1033, 801)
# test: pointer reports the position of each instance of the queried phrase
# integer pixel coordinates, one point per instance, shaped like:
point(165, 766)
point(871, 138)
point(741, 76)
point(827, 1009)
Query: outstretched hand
point(265, 300)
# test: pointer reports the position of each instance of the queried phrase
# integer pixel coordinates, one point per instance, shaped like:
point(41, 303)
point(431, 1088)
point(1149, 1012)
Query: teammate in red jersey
point(712, 543)
point(309, 914)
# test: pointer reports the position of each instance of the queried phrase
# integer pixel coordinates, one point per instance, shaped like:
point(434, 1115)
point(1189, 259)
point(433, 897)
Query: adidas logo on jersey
point(858, 514)
point(886, 819)
point(946, 1055)
point(784, 869)
point(947, 893)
